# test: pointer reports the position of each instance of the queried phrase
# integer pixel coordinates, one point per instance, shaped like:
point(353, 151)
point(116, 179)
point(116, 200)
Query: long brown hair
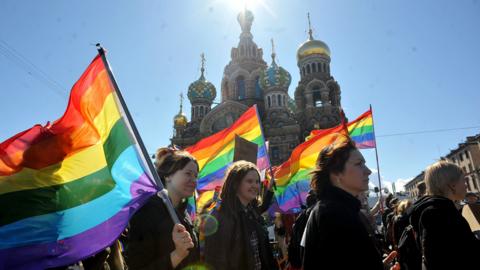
point(235, 173)
point(332, 159)
point(168, 161)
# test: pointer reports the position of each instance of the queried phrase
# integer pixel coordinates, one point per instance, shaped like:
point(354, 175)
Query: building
point(467, 156)
point(411, 186)
point(248, 80)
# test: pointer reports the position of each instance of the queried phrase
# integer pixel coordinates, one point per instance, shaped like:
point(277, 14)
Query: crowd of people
point(335, 230)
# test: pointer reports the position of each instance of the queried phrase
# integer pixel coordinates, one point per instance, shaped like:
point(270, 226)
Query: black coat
point(149, 241)
point(229, 247)
point(337, 236)
point(446, 237)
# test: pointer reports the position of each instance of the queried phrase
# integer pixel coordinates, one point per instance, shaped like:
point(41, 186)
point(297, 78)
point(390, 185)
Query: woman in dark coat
point(445, 236)
point(240, 241)
point(338, 235)
point(154, 242)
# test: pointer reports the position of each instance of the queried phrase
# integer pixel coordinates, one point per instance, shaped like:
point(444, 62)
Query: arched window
point(317, 101)
point(258, 90)
point(274, 101)
point(319, 66)
point(279, 98)
point(269, 102)
point(240, 83)
point(308, 69)
point(314, 68)
point(201, 111)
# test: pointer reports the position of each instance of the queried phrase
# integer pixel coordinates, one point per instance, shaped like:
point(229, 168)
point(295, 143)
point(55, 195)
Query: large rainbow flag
point(293, 176)
point(360, 131)
point(68, 189)
point(215, 153)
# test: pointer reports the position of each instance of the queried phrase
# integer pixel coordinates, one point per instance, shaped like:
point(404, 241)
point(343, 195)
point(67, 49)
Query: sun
point(239, 5)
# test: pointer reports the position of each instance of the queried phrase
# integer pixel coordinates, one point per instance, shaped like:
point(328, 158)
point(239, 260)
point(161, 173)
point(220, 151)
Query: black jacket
point(337, 236)
point(229, 248)
point(149, 241)
point(446, 237)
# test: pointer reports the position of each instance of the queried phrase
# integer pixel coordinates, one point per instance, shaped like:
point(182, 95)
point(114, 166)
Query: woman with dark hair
point(154, 242)
point(240, 242)
point(338, 235)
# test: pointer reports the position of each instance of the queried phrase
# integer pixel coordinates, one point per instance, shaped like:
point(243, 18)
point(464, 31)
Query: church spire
point(181, 103)
point(273, 51)
point(203, 66)
point(310, 31)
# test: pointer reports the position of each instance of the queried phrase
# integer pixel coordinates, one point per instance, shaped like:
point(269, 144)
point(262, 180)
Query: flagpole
point(266, 148)
point(376, 156)
point(162, 193)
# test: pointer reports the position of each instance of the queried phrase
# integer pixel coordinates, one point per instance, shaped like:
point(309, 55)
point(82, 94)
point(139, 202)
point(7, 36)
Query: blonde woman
point(444, 235)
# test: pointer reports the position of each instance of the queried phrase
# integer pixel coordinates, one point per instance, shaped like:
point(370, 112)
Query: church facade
point(248, 80)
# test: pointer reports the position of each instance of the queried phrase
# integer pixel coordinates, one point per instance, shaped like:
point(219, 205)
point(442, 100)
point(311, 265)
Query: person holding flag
point(154, 241)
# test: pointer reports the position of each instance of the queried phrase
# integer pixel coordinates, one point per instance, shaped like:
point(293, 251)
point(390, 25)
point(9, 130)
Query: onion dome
point(275, 75)
point(180, 119)
point(201, 88)
point(312, 46)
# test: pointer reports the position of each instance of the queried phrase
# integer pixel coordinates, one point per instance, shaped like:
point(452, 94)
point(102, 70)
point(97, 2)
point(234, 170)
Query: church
point(248, 80)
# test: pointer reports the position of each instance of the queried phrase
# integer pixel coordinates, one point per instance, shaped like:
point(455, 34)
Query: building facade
point(248, 80)
point(467, 156)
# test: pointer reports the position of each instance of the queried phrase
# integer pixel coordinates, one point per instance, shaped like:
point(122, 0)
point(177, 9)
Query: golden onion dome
point(312, 46)
point(180, 119)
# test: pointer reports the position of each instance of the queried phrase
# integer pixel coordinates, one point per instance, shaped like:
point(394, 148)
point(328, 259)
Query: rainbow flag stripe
point(293, 176)
point(68, 189)
point(361, 131)
point(215, 153)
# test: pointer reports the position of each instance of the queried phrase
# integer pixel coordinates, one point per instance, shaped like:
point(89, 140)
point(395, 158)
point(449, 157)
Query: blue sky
point(416, 62)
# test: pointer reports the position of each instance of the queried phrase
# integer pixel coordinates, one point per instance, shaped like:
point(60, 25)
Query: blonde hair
point(439, 175)
point(402, 207)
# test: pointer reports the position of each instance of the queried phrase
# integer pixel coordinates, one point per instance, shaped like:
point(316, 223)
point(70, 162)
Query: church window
point(279, 100)
point(201, 111)
point(319, 66)
point(269, 102)
point(308, 69)
point(258, 89)
point(317, 101)
point(314, 68)
point(241, 87)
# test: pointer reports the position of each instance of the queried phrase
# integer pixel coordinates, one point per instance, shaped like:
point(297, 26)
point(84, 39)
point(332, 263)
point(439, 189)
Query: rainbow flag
point(361, 131)
point(215, 153)
point(293, 176)
point(68, 189)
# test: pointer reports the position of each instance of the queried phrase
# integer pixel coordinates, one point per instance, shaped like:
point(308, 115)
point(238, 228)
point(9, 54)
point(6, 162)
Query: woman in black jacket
point(338, 235)
point(445, 238)
point(154, 242)
point(240, 241)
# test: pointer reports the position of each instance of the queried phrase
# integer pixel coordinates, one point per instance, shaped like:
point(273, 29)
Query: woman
point(338, 235)
point(241, 241)
point(445, 238)
point(154, 242)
